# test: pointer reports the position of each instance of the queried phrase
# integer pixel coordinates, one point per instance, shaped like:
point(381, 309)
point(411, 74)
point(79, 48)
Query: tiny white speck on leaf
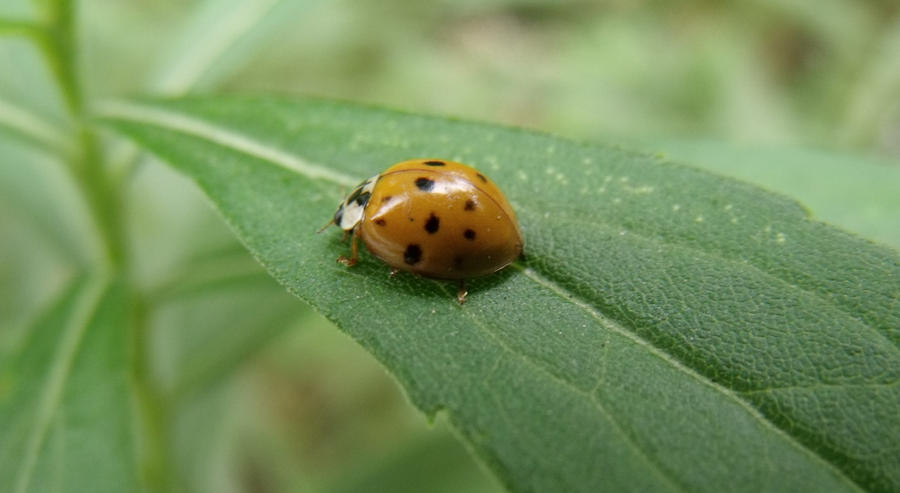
point(641, 190)
point(698, 219)
point(587, 160)
point(617, 200)
point(623, 179)
point(522, 175)
point(729, 207)
point(780, 237)
point(676, 207)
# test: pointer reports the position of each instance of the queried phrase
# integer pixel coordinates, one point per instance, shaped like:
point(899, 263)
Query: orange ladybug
point(432, 217)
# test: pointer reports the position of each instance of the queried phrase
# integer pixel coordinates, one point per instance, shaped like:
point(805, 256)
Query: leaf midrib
point(54, 386)
point(664, 473)
point(191, 125)
point(224, 137)
point(711, 254)
point(610, 324)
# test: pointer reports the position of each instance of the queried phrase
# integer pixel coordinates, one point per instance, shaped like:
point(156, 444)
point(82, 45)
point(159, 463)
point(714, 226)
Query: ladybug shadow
point(447, 289)
point(416, 285)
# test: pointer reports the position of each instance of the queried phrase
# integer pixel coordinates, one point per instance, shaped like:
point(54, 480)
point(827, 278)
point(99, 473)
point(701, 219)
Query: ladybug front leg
point(354, 251)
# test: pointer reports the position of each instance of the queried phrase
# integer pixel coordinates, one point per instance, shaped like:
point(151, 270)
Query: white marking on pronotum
point(225, 137)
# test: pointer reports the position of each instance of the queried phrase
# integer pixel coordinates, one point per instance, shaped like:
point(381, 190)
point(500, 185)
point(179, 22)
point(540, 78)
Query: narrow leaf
point(64, 400)
point(210, 45)
point(667, 329)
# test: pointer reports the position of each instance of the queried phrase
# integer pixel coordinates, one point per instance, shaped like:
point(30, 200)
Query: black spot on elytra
point(470, 205)
point(458, 262)
point(425, 184)
point(413, 254)
point(363, 198)
point(432, 224)
point(481, 177)
point(434, 163)
point(380, 222)
point(469, 234)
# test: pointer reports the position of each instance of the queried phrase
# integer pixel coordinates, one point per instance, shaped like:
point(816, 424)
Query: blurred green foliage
point(236, 411)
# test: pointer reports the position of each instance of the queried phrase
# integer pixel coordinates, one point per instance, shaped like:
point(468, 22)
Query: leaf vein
point(664, 474)
point(55, 385)
point(726, 392)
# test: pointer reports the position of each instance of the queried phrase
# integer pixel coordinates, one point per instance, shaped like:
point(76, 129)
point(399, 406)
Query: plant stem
point(103, 198)
point(58, 43)
point(103, 194)
point(153, 411)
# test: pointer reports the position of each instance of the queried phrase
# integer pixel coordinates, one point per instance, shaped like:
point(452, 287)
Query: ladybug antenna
point(326, 226)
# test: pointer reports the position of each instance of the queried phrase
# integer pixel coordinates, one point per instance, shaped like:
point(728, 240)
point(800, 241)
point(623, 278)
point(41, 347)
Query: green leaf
point(854, 192)
point(64, 399)
point(220, 36)
point(210, 332)
point(667, 330)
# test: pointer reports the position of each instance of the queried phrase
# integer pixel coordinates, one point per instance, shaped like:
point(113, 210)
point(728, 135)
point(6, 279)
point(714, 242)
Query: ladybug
point(432, 217)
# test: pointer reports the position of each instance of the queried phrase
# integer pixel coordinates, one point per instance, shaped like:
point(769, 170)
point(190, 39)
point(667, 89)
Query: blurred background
point(257, 393)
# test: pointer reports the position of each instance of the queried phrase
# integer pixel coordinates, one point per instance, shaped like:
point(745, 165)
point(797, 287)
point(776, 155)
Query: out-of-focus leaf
point(220, 35)
point(45, 230)
point(30, 103)
point(18, 10)
point(668, 329)
point(434, 462)
point(64, 398)
point(206, 334)
point(854, 192)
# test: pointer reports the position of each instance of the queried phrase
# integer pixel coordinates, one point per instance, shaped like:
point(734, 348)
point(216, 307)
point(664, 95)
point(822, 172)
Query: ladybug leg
point(354, 251)
point(394, 272)
point(462, 292)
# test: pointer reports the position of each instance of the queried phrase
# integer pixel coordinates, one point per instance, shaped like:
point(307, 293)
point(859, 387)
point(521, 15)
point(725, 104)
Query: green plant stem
point(103, 198)
point(102, 192)
point(153, 414)
point(59, 43)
